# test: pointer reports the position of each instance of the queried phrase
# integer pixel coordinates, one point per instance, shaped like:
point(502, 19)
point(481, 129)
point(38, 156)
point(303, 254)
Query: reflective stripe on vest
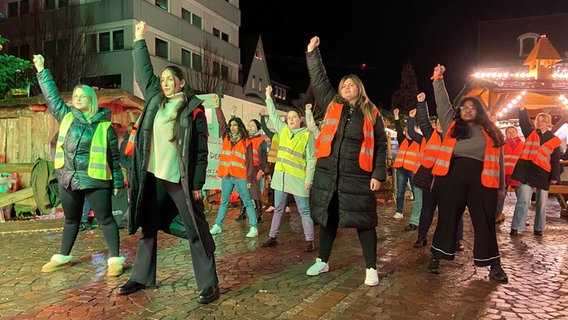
point(292, 153)
point(256, 141)
point(537, 153)
point(273, 152)
point(129, 149)
point(490, 174)
point(98, 166)
point(232, 160)
point(510, 156)
point(329, 128)
point(431, 150)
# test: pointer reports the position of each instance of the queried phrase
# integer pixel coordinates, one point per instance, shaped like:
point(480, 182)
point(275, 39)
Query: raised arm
point(443, 103)
point(148, 82)
point(269, 133)
point(410, 124)
point(279, 124)
point(220, 116)
point(422, 116)
point(56, 105)
point(319, 82)
point(310, 122)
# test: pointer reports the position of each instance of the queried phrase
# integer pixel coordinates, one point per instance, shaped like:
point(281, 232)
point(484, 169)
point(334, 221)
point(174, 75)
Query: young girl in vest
point(169, 163)
point(351, 153)
point(538, 167)
point(293, 172)
point(468, 172)
point(236, 168)
point(259, 153)
point(511, 152)
point(87, 167)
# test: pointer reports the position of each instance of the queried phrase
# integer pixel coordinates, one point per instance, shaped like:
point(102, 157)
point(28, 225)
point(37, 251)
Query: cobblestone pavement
point(270, 283)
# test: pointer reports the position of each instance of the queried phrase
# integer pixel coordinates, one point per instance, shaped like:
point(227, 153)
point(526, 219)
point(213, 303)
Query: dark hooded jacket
point(191, 145)
point(339, 174)
point(77, 144)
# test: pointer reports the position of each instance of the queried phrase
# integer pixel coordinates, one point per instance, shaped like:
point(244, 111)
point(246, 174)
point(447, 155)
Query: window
point(53, 4)
point(191, 18)
point(163, 4)
point(527, 42)
point(49, 4)
point(18, 8)
point(104, 41)
point(118, 40)
point(221, 35)
point(191, 60)
point(161, 48)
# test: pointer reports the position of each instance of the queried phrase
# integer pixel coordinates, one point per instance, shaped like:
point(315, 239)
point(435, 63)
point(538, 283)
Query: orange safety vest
point(490, 176)
point(408, 156)
point(511, 156)
point(129, 149)
point(232, 160)
point(329, 128)
point(256, 141)
point(431, 150)
point(539, 154)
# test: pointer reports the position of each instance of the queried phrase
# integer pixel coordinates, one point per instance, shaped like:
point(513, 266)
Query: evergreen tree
point(404, 98)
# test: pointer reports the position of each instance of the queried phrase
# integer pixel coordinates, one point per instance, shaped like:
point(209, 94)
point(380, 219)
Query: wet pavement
point(270, 283)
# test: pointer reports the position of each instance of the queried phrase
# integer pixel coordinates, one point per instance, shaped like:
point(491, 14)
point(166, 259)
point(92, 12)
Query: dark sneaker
point(538, 233)
point(309, 246)
point(498, 274)
point(434, 266)
point(514, 232)
point(83, 226)
point(271, 242)
point(411, 227)
point(459, 246)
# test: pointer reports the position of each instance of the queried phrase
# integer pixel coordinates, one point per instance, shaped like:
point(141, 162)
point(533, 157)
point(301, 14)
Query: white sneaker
point(270, 209)
point(372, 278)
point(215, 230)
point(253, 232)
point(398, 215)
point(317, 268)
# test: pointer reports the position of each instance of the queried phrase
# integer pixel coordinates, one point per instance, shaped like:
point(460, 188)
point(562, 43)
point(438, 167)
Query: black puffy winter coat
point(339, 173)
point(77, 143)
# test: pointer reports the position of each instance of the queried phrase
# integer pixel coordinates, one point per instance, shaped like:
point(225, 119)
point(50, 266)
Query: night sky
point(422, 32)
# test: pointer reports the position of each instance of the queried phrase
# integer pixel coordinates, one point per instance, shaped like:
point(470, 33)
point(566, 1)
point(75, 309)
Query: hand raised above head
point(314, 43)
point(39, 62)
point(139, 30)
point(308, 107)
point(412, 113)
point(421, 97)
point(268, 91)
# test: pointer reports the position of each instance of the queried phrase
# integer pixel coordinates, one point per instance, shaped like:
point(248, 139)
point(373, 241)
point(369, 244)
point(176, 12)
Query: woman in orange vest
point(511, 151)
point(423, 177)
point(351, 153)
point(236, 168)
point(538, 167)
point(406, 162)
point(468, 172)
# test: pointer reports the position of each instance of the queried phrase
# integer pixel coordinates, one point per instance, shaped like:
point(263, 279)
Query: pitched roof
point(543, 50)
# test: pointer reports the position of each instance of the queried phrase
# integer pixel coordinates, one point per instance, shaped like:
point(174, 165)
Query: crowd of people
point(332, 171)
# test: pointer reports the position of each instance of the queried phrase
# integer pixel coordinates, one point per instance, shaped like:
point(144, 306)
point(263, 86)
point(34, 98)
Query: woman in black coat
point(352, 153)
point(168, 173)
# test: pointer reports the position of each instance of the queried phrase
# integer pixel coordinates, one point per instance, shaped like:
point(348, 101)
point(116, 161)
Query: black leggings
point(367, 237)
point(101, 204)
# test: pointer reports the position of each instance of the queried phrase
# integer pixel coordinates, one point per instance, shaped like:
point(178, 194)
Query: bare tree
point(59, 35)
point(208, 76)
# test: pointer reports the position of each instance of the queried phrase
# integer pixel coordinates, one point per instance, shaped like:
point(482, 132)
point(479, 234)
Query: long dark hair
point(242, 129)
point(187, 93)
point(462, 130)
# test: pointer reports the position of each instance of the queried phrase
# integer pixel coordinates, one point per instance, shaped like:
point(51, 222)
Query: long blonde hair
point(92, 96)
point(362, 100)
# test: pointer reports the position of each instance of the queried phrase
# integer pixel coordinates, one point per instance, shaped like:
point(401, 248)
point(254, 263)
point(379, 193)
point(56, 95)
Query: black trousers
point(459, 188)
point(155, 193)
point(367, 237)
point(429, 205)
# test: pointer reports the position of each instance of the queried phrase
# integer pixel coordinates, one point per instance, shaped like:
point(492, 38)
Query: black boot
point(243, 213)
point(258, 209)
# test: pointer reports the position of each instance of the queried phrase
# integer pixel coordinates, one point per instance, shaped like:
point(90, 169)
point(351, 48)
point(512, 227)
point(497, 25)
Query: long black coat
point(339, 173)
point(192, 150)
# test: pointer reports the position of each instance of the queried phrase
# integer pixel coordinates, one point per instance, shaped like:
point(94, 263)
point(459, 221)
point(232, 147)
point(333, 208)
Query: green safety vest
point(291, 156)
point(98, 166)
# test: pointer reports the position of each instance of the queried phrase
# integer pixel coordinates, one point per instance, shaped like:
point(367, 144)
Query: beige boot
point(115, 266)
point(58, 261)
